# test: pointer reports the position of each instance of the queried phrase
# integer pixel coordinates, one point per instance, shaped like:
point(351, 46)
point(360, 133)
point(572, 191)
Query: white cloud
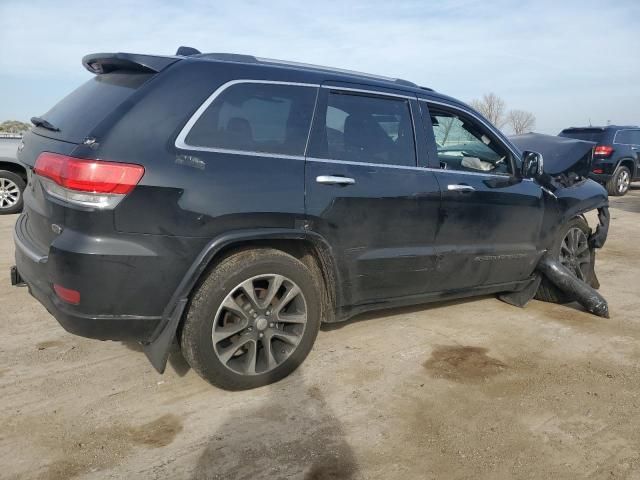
point(566, 62)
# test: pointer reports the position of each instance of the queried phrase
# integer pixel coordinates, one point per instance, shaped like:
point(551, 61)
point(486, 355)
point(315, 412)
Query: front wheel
point(253, 320)
point(571, 248)
point(619, 183)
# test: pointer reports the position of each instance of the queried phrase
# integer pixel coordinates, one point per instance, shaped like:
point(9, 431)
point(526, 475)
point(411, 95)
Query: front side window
point(628, 137)
point(255, 117)
point(367, 129)
point(463, 144)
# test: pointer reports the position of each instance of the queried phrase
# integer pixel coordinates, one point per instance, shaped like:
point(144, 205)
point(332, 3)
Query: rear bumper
point(600, 177)
point(125, 328)
point(123, 282)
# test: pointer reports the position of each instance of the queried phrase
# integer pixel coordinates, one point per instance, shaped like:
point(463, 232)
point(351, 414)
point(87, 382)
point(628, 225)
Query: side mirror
point(532, 164)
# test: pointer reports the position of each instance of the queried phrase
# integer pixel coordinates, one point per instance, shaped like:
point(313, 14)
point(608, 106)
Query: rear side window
point(628, 137)
point(367, 129)
point(587, 134)
point(255, 117)
point(80, 112)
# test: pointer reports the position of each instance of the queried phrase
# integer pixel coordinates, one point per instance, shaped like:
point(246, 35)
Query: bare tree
point(491, 107)
point(521, 121)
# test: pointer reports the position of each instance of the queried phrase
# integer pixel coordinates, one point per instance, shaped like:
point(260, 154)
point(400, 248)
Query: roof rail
point(235, 57)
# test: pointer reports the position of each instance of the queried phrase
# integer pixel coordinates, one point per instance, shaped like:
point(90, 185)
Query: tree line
point(494, 109)
point(14, 126)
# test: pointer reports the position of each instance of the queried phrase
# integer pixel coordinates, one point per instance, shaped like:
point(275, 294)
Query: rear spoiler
point(109, 62)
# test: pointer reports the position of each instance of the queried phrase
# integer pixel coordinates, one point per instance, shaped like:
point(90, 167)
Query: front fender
point(565, 203)
point(580, 198)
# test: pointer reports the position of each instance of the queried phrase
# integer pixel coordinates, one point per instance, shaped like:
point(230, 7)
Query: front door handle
point(334, 180)
point(460, 188)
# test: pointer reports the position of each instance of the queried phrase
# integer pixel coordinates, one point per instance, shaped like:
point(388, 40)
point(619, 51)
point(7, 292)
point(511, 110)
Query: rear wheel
point(253, 320)
point(572, 250)
point(11, 187)
point(619, 183)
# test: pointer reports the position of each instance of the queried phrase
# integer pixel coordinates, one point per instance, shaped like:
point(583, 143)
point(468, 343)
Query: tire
point(257, 270)
point(11, 191)
point(618, 184)
point(547, 291)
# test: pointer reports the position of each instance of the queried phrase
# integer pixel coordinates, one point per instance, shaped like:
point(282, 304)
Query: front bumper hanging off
point(565, 280)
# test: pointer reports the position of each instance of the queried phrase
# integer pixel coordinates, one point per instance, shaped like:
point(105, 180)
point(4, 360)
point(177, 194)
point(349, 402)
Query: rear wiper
point(41, 122)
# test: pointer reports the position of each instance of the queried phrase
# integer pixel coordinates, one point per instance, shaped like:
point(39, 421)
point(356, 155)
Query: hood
point(561, 155)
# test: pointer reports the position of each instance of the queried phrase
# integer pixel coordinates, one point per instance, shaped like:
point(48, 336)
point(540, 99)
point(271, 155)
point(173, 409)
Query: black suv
point(13, 177)
point(616, 155)
point(234, 203)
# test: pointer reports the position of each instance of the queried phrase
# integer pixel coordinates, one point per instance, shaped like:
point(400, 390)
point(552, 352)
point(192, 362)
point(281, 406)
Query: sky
point(570, 63)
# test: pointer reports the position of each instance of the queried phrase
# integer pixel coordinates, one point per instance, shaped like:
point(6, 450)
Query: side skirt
point(346, 313)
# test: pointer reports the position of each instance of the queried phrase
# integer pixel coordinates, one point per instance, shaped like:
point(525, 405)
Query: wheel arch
point(14, 167)
point(308, 247)
point(630, 164)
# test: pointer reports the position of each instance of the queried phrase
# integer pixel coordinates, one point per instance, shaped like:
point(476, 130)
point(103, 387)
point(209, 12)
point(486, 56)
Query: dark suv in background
point(616, 157)
point(234, 203)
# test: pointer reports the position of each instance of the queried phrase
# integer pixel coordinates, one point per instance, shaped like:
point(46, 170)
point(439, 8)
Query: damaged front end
point(568, 194)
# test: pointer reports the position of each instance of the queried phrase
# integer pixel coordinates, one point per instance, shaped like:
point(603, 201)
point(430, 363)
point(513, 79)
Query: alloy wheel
point(623, 182)
point(259, 324)
point(9, 193)
point(575, 253)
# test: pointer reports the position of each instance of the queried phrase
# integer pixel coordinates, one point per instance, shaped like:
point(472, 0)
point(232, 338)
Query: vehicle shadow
point(293, 434)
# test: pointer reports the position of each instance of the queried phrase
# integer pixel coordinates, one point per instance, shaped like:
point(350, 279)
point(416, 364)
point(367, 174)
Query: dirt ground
point(469, 389)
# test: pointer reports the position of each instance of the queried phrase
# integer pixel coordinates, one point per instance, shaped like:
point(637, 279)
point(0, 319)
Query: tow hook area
point(566, 281)
point(16, 279)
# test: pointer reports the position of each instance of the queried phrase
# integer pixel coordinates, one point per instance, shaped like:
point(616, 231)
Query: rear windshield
point(587, 134)
point(81, 111)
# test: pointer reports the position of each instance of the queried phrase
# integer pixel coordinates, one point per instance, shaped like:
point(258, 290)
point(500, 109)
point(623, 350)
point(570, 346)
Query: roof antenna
point(590, 123)
point(187, 51)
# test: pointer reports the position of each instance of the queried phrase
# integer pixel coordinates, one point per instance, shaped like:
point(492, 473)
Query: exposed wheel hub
point(575, 253)
point(261, 323)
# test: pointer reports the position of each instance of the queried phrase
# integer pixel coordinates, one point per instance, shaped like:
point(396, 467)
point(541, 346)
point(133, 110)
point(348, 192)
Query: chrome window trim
point(181, 144)
point(405, 167)
point(364, 164)
point(364, 90)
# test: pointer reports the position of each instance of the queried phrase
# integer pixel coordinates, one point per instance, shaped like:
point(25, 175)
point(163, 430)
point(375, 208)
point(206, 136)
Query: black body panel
point(396, 235)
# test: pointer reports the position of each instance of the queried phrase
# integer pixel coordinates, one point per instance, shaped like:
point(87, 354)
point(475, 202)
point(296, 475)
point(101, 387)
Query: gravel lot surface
point(469, 389)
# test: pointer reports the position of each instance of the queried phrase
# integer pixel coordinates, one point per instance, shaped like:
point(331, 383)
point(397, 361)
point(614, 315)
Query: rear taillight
point(603, 151)
point(598, 170)
point(89, 183)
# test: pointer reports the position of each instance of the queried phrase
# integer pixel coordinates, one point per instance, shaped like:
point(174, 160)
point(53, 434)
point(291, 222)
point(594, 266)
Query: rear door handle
point(460, 188)
point(334, 180)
